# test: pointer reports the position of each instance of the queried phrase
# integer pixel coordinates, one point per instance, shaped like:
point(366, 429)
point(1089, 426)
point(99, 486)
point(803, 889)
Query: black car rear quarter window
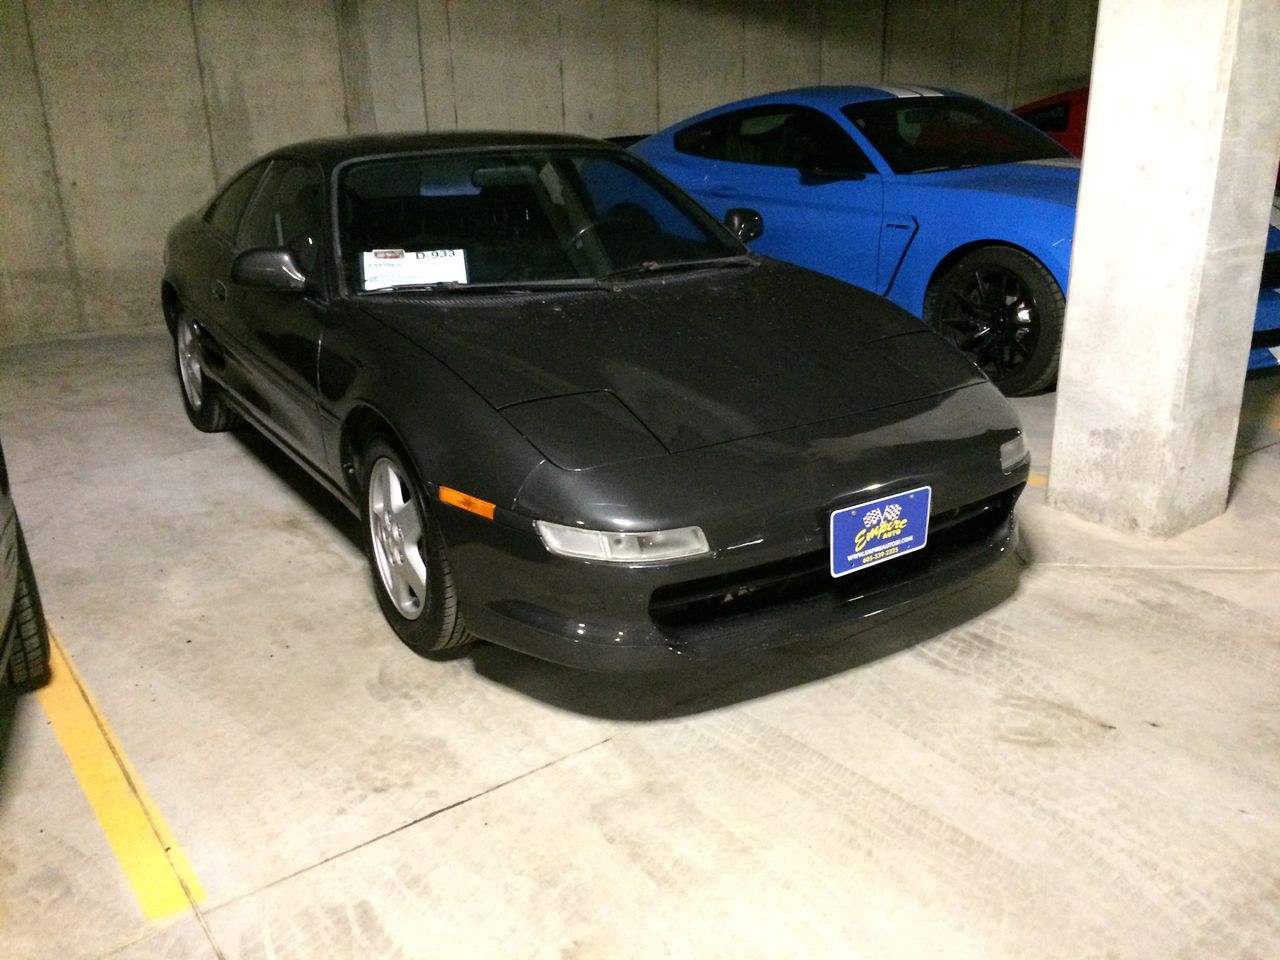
point(225, 211)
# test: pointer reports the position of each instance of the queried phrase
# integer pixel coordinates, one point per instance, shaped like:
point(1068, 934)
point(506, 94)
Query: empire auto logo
point(881, 525)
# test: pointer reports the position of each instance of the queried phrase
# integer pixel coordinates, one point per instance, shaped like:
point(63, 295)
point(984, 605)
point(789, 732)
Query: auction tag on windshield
point(879, 530)
point(389, 268)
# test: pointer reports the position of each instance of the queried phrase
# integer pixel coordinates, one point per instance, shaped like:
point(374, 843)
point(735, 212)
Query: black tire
point(423, 614)
point(202, 399)
point(1003, 310)
point(28, 639)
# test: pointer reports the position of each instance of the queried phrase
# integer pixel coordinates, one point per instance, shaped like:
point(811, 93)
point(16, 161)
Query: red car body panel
point(1060, 116)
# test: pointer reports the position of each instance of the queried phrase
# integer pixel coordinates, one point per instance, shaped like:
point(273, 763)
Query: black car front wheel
point(1004, 310)
point(407, 552)
point(205, 406)
point(28, 639)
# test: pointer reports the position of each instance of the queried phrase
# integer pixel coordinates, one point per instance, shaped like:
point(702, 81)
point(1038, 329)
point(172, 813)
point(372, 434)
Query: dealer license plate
point(879, 530)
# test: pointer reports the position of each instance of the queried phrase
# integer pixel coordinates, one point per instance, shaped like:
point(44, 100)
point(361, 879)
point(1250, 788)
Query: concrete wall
point(119, 115)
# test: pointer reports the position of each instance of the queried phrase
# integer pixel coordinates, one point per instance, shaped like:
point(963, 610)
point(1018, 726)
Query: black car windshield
point(920, 134)
point(516, 218)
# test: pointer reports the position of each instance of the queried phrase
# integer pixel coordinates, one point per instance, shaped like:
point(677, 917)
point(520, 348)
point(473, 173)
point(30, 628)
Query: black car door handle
point(219, 291)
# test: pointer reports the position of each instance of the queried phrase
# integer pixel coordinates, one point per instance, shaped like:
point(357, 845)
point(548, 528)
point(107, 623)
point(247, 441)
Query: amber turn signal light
point(467, 502)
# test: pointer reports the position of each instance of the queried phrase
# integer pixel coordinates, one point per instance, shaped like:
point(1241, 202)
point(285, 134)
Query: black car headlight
point(1013, 453)
point(618, 547)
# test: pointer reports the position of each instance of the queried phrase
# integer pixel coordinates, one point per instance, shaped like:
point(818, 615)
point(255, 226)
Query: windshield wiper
point(664, 266)
point(505, 286)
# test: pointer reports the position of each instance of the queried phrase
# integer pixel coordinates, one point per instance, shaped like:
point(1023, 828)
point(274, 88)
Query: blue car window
point(921, 134)
point(788, 136)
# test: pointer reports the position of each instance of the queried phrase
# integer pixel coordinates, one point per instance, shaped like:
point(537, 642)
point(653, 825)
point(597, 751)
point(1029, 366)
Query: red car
point(1061, 116)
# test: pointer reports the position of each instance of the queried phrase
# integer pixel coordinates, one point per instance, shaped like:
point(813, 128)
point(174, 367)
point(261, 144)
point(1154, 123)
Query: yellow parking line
point(1037, 479)
point(155, 866)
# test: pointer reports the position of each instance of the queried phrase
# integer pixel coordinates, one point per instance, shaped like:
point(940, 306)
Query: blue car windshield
point(921, 134)
point(511, 217)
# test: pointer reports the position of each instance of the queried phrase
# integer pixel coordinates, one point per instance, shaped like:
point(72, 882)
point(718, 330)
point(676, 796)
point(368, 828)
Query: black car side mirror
point(272, 268)
point(744, 223)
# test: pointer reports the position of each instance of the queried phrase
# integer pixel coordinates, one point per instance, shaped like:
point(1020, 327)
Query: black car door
point(272, 336)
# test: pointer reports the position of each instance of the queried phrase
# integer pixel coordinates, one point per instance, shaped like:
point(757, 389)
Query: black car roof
point(334, 150)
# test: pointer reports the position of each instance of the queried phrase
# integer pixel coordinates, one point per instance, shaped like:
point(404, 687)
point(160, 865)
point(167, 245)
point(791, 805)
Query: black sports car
point(577, 417)
point(24, 642)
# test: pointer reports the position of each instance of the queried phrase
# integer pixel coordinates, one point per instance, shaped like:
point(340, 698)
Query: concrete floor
point(1079, 757)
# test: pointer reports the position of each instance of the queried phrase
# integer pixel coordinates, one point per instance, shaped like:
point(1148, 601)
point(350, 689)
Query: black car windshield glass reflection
point(513, 219)
point(921, 134)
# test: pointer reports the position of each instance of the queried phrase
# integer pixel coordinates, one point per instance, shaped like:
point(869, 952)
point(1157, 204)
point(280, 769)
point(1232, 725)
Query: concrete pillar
point(1180, 161)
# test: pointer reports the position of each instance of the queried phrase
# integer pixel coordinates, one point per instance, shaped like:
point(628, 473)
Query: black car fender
point(451, 435)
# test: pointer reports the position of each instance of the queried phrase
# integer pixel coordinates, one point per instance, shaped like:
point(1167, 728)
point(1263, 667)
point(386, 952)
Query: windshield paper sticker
point(880, 530)
point(390, 268)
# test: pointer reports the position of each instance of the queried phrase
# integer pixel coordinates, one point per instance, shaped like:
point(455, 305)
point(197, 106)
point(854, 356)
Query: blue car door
point(820, 197)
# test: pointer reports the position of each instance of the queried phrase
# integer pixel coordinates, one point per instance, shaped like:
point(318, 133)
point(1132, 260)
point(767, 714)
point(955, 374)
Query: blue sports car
point(954, 209)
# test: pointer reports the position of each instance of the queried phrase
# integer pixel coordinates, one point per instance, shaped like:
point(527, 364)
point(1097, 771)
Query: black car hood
point(700, 358)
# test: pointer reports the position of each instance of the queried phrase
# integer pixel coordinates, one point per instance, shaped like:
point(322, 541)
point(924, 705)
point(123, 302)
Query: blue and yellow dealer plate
point(879, 530)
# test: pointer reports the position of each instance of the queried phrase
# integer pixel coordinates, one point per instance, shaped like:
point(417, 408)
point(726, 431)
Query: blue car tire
point(1003, 309)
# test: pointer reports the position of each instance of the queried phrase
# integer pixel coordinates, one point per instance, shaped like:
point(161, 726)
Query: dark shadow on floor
point(320, 500)
point(8, 715)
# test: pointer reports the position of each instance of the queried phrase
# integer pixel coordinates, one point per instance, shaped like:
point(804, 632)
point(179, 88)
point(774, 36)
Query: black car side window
point(288, 211)
point(224, 213)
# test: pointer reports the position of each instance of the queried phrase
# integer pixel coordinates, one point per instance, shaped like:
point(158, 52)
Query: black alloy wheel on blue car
point(1000, 307)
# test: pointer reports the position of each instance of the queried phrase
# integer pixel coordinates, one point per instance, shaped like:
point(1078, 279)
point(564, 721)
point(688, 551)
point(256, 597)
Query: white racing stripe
point(912, 91)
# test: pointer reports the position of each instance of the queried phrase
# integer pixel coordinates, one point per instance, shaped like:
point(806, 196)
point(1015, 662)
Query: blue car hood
point(1046, 181)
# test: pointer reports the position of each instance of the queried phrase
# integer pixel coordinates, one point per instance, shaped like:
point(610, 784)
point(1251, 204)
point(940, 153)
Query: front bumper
point(764, 503)
point(599, 618)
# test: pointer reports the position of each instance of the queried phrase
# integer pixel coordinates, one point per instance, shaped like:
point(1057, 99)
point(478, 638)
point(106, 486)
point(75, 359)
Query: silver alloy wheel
point(190, 368)
point(395, 528)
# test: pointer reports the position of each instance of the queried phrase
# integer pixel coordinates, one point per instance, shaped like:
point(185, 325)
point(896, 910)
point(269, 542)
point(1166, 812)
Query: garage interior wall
point(118, 116)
